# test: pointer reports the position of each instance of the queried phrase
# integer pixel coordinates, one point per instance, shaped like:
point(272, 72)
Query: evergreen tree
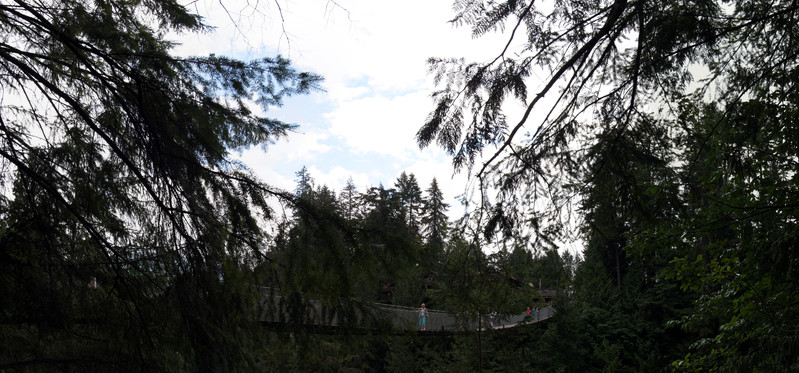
point(622, 84)
point(350, 200)
point(415, 200)
point(434, 217)
point(687, 180)
point(401, 189)
point(305, 185)
point(393, 243)
point(410, 197)
point(521, 264)
point(733, 240)
point(551, 271)
point(128, 232)
point(317, 255)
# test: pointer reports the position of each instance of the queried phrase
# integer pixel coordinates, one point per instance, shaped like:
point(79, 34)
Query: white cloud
point(299, 149)
point(379, 124)
point(373, 56)
point(337, 178)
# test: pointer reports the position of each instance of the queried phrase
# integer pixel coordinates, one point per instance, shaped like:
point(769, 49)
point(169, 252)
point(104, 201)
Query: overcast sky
point(372, 54)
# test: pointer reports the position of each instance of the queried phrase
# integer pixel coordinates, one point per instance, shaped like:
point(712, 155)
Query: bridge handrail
point(404, 317)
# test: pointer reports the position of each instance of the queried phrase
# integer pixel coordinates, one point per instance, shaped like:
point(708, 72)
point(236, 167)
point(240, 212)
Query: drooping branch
point(616, 11)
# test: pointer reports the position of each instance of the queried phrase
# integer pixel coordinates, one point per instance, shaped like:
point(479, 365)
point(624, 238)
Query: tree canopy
point(672, 126)
point(610, 66)
point(122, 214)
point(131, 240)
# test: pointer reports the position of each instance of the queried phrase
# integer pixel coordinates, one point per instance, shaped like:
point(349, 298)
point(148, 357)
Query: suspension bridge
point(296, 311)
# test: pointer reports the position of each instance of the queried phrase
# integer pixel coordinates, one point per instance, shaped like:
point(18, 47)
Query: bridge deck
point(278, 310)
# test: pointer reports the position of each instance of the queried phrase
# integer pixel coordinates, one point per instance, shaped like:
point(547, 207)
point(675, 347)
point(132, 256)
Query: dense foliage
point(126, 230)
point(360, 248)
point(673, 126)
point(129, 239)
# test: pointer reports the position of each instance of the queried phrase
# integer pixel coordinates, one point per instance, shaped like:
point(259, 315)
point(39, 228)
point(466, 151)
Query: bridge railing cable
point(297, 310)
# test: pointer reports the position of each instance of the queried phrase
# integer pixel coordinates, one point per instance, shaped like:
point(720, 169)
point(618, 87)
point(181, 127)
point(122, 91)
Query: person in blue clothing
point(422, 317)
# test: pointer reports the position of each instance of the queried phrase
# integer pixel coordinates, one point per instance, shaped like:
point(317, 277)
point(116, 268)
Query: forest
point(664, 136)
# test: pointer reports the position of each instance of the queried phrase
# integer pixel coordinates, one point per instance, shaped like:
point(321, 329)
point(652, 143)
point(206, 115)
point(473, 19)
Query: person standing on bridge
point(422, 317)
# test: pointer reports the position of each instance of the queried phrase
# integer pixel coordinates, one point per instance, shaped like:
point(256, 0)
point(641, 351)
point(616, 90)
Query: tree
point(434, 217)
point(128, 221)
point(628, 130)
point(591, 70)
point(737, 231)
point(392, 244)
point(350, 200)
point(317, 252)
point(410, 197)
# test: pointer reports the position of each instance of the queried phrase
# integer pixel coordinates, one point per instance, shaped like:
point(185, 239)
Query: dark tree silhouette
point(672, 125)
point(126, 228)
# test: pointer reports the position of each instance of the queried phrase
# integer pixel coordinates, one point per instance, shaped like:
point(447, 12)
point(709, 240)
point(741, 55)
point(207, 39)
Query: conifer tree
point(434, 217)
point(350, 200)
point(680, 173)
point(127, 229)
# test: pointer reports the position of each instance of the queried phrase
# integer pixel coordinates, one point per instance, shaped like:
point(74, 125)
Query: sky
point(372, 54)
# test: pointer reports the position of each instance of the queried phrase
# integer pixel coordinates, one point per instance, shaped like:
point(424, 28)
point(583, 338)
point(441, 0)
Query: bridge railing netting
point(276, 308)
